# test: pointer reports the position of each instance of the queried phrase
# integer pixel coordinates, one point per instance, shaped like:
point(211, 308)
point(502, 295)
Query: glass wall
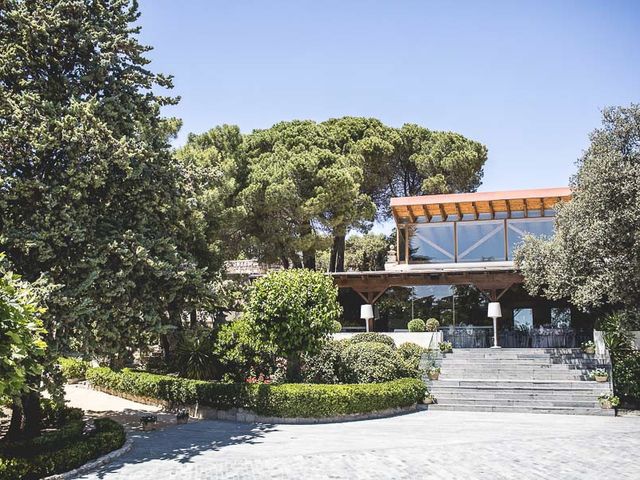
point(432, 243)
point(468, 241)
point(481, 241)
point(518, 228)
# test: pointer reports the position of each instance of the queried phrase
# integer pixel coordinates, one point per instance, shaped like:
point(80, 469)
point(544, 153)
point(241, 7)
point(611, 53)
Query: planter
point(73, 381)
point(606, 405)
point(601, 378)
point(428, 400)
point(182, 421)
point(589, 350)
point(433, 375)
point(148, 426)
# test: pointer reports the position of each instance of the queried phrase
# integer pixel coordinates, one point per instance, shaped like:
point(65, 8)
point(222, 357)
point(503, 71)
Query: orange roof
point(478, 202)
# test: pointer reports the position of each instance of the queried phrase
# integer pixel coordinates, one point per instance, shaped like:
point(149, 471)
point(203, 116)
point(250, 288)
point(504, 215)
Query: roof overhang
point(478, 203)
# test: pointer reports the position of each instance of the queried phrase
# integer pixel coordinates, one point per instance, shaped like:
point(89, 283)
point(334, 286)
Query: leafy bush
point(194, 356)
point(48, 441)
point(55, 415)
point(287, 400)
point(294, 311)
point(108, 436)
point(73, 368)
point(416, 325)
point(370, 362)
point(432, 325)
point(317, 401)
point(373, 337)
point(240, 354)
point(326, 366)
point(412, 353)
point(336, 327)
point(626, 376)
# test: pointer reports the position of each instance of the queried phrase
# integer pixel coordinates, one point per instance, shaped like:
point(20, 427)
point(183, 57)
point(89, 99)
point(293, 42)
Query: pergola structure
point(493, 281)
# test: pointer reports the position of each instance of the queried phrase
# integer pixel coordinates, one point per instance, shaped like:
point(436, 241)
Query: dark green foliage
point(73, 368)
point(412, 353)
point(317, 401)
point(374, 337)
point(108, 436)
point(293, 312)
point(55, 415)
point(46, 442)
point(194, 356)
point(287, 400)
point(416, 325)
point(371, 362)
point(326, 366)
point(626, 377)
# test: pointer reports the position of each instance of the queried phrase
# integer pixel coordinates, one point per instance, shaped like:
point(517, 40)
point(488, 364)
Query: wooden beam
point(443, 214)
point(508, 205)
point(412, 216)
point(425, 210)
point(542, 207)
point(475, 209)
point(524, 205)
point(491, 210)
point(458, 211)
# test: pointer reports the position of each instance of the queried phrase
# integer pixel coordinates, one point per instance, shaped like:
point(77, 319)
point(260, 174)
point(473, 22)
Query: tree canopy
point(89, 192)
point(593, 260)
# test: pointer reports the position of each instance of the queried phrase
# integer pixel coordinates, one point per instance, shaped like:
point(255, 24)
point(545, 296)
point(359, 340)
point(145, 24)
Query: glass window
point(401, 245)
point(517, 229)
point(481, 241)
point(433, 243)
point(522, 318)
point(561, 317)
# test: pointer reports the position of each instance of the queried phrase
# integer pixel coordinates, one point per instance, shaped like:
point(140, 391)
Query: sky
point(526, 78)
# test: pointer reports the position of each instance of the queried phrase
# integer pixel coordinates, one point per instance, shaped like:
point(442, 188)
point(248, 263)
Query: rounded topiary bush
point(432, 325)
point(336, 326)
point(373, 337)
point(371, 362)
point(416, 325)
point(411, 353)
point(326, 366)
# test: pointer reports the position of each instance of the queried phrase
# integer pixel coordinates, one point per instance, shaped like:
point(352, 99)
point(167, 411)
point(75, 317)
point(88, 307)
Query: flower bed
point(285, 400)
point(74, 451)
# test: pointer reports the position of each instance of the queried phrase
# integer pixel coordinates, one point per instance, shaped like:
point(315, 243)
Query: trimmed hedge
point(370, 362)
point(373, 337)
point(108, 436)
point(73, 368)
point(287, 400)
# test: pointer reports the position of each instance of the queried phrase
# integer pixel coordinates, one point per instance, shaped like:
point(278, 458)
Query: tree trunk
point(336, 261)
point(296, 261)
point(285, 262)
point(309, 259)
point(32, 414)
point(15, 427)
point(166, 347)
point(193, 319)
point(294, 368)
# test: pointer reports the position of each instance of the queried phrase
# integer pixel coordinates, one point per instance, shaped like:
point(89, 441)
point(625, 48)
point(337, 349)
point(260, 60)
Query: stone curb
point(98, 462)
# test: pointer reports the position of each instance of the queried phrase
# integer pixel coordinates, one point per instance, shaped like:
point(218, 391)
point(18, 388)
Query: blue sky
point(527, 79)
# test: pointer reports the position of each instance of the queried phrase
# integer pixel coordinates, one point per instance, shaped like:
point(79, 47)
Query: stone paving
point(427, 444)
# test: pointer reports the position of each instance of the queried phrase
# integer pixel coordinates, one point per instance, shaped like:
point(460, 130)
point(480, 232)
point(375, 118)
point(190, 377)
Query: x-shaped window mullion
point(435, 245)
point(481, 241)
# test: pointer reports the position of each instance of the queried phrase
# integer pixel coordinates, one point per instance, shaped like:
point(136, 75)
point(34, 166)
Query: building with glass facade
point(454, 253)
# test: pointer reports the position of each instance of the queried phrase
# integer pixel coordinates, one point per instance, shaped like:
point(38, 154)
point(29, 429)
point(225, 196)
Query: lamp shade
point(494, 310)
point(366, 311)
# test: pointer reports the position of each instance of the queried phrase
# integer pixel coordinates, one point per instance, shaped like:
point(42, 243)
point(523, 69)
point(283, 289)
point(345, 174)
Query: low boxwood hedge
point(108, 436)
point(73, 368)
point(286, 400)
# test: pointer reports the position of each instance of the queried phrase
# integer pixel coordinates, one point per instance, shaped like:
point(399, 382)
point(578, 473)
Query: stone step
point(508, 383)
point(505, 375)
point(521, 409)
point(518, 362)
point(518, 402)
point(489, 397)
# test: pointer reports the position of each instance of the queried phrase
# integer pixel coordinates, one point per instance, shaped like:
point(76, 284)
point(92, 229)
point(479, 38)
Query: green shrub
point(73, 368)
point(317, 401)
point(287, 400)
point(48, 441)
point(626, 376)
point(373, 337)
point(432, 325)
point(336, 327)
point(416, 325)
point(108, 436)
point(55, 415)
point(194, 357)
point(370, 362)
point(293, 311)
point(326, 366)
point(412, 353)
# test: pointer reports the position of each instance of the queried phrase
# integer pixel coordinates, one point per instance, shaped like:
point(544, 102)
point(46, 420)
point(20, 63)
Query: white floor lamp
point(366, 313)
point(495, 312)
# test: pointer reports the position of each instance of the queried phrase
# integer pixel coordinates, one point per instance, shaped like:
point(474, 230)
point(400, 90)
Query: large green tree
point(593, 260)
point(89, 192)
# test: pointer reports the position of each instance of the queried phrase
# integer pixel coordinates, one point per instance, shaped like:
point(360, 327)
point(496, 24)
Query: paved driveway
point(442, 445)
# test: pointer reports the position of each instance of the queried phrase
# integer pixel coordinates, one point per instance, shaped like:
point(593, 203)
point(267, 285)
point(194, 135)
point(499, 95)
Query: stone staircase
point(518, 380)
